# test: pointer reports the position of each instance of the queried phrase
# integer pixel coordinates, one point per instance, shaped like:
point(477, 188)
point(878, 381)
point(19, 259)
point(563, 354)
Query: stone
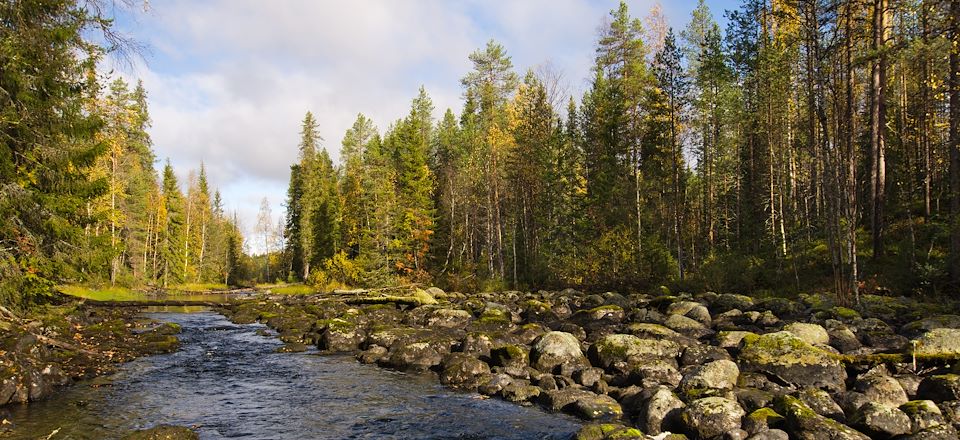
point(656, 372)
point(513, 358)
point(881, 421)
point(729, 301)
point(720, 375)
point(520, 392)
point(938, 342)
point(687, 326)
point(696, 353)
point(555, 348)
point(449, 318)
point(416, 356)
point(939, 432)
point(812, 334)
point(761, 420)
point(341, 338)
point(923, 414)
point(792, 360)
point(163, 432)
point(731, 339)
point(921, 326)
point(939, 388)
point(372, 354)
point(773, 434)
point(821, 403)
point(712, 417)
point(802, 423)
point(878, 386)
point(597, 407)
point(462, 370)
point(661, 412)
point(628, 348)
point(607, 431)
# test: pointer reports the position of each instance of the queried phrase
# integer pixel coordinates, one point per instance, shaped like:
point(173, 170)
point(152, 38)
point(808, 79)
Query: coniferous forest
point(810, 145)
point(81, 199)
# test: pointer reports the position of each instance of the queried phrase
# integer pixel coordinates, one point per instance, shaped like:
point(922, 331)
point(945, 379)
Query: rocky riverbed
point(668, 366)
point(54, 346)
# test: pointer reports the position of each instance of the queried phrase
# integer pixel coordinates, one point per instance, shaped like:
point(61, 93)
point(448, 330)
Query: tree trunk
point(955, 142)
point(878, 121)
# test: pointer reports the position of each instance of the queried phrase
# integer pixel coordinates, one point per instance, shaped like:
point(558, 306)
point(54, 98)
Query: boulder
point(602, 431)
point(341, 338)
point(923, 414)
point(416, 356)
point(462, 370)
point(878, 386)
point(656, 372)
point(661, 412)
point(821, 403)
point(711, 417)
point(940, 388)
point(938, 342)
point(687, 326)
point(449, 318)
point(939, 432)
point(513, 358)
point(731, 339)
point(628, 348)
point(720, 375)
point(554, 349)
point(597, 407)
point(520, 392)
point(802, 423)
point(881, 421)
point(791, 359)
point(812, 334)
point(372, 354)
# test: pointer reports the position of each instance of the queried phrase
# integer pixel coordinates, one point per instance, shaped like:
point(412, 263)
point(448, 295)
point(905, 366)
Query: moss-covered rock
point(812, 334)
point(793, 360)
point(711, 417)
point(607, 431)
point(611, 349)
point(554, 349)
point(802, 422)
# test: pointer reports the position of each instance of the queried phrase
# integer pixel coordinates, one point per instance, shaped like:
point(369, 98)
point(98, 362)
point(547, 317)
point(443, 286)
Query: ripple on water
point(227, 381)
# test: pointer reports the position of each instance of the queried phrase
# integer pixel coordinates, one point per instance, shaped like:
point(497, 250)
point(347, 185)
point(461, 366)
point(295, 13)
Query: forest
point(810, 145)
point(81, 200)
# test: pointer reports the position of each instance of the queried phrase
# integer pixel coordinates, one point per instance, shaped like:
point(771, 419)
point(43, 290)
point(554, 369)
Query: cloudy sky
point(230, 80)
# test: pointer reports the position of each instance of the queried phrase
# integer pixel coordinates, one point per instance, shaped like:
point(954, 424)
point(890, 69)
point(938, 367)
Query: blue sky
point(230, 80)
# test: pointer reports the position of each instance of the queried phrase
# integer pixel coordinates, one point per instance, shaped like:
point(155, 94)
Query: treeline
point(811, 145)
point(80, 199)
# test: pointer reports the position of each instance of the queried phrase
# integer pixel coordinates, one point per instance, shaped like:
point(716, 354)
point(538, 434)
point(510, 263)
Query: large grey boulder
point(788, 357)
point(711, 417)
point(554, 349)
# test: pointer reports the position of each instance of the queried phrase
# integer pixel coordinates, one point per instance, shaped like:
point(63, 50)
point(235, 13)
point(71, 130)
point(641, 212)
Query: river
point(227, 382)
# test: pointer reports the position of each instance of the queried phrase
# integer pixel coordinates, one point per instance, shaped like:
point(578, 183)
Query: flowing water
point(227, 382)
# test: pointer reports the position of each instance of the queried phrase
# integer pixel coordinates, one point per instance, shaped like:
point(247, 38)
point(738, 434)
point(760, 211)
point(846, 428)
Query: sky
point(229, 81)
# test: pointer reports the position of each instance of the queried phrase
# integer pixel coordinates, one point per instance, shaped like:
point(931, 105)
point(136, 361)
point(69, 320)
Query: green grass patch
point(292, 289)
point(114, 293)
point(198, 287)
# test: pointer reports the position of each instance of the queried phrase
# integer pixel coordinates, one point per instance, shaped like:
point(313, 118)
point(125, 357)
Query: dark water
point(227, 382)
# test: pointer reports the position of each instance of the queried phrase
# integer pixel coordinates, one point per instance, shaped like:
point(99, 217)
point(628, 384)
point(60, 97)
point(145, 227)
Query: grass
point(198, 287)
point(288, 289)
point(114, 293)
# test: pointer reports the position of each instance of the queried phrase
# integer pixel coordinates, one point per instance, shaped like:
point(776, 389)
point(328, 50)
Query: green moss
point(782, 348)
point(915, 407)
point(845, 313)
point(766, 416)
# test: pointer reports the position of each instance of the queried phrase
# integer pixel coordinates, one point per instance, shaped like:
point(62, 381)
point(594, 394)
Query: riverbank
point(55, 345)
point(704, 366)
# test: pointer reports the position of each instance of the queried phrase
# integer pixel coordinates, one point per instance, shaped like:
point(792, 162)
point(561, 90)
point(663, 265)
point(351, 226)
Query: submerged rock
point(163, 432)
